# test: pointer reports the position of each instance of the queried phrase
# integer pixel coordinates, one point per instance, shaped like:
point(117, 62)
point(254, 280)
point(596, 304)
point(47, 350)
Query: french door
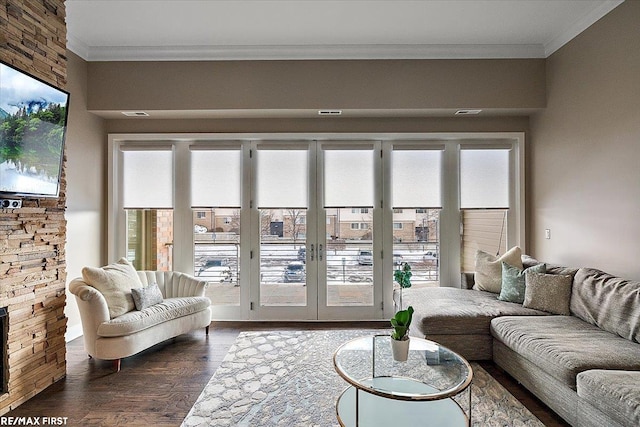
point(313, 208)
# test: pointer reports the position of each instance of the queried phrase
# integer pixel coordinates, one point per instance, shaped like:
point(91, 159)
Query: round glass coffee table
point(384, 392)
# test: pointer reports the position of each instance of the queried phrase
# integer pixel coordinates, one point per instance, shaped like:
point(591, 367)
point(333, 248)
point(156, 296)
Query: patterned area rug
point(287, 378)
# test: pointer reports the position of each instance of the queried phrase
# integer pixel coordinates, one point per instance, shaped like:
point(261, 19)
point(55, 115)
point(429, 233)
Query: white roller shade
point(216, 177)
point(416, 178)
point(484, 178)
point(348, 178)
point(147, 178)
point(282, 178)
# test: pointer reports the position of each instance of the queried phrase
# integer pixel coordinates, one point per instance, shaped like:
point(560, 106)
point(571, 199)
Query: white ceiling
point(110, 30)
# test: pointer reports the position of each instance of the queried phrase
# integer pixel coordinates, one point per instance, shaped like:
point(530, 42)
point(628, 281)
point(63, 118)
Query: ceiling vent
point(467, 112)
point(135, 114)
point(330, 112)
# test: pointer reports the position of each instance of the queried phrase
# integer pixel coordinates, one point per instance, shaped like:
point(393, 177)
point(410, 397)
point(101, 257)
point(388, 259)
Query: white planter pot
point(400, 349)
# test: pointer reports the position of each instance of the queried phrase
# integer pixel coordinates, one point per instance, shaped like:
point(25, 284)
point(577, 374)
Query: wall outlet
point(547, 233)
point(10, 204)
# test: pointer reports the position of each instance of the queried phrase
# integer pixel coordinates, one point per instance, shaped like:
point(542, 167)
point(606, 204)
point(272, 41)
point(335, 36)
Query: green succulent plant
point(401, 322)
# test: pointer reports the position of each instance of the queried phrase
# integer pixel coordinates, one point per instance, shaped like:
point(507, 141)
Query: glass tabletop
point(431, 371)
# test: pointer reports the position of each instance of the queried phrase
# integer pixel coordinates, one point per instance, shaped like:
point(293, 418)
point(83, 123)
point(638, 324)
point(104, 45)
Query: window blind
point(216, 177)
point(147, 178)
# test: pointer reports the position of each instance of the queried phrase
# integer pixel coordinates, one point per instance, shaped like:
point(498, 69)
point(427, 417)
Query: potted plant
point(400, 335)
point(403, 276)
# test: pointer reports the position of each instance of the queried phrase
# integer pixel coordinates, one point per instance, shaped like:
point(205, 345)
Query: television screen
point(33, 121)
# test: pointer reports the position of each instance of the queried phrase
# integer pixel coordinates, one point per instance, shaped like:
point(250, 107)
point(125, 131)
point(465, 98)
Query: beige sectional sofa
point(183, 308)
point(585, 366)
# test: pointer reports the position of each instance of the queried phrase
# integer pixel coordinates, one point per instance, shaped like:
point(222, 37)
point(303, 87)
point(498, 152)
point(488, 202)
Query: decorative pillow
point(146, 297)
point(548, 292)
point(513, 282)
point(114, 282)
point(488, 275)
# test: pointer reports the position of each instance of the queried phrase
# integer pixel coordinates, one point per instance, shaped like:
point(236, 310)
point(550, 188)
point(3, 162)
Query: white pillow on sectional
point(488, 275)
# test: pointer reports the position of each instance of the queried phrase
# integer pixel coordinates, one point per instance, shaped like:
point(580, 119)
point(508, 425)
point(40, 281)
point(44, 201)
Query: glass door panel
point(282, 217)
point(216, 236)
point(349, 257)
point(216, 200)
point(416, 241)
point(283, 277)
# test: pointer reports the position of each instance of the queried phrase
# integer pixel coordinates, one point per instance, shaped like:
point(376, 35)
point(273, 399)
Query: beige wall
point(585, 151)
point(86, 159)
point(299, 85)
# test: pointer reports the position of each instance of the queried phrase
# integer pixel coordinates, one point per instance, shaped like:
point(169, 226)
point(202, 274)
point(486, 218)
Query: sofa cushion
point(134, 321)
point(488, 276)
point(146, 296)
point(616, 393)
point(609, 302)
point(513, 282)
point(114, 281)
point(548, 292)
point(564, 346)
point(457, 311)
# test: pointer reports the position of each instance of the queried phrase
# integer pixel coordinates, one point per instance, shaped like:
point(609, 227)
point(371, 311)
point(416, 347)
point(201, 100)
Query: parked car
point(199, 228)
point(365, 258)
point(217, 270)
point(397, 259)
point(295, 272)
point(302, 254)
point(430, 256)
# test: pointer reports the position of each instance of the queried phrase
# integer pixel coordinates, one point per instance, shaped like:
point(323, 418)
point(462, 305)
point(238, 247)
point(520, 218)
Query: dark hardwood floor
point(159, 386)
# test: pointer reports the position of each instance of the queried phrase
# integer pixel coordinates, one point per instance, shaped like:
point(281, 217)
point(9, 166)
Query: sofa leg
point(116, 365)
point(206, 330)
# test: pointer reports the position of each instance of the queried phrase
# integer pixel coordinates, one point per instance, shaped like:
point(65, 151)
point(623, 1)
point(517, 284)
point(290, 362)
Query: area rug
point(287, 378)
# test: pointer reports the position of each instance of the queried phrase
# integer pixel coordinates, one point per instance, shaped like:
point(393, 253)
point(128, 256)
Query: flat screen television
point(33, 124)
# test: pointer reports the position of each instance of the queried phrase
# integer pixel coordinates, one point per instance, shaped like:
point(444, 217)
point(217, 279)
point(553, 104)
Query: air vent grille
point(330, 112)
point(135, 114)
point(468, 112)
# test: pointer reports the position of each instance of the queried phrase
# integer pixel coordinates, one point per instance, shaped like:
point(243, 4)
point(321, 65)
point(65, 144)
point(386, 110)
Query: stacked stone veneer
point(32, 239)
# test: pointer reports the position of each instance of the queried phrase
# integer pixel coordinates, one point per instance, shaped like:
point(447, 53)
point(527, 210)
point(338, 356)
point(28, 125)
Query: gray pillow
point(114, 282)
point(513, 282)
point(146, 297)
point(488, 275)
point(548, 292)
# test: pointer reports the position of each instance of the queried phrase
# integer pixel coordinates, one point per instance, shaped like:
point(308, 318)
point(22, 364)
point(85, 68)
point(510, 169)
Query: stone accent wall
point(32, 239)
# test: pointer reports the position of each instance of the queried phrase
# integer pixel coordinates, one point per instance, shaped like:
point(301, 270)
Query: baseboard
point(73, 333)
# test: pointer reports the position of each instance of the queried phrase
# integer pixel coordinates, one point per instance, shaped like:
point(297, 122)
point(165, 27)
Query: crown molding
point(579, 26)
point(302, 52)
point(78, 47)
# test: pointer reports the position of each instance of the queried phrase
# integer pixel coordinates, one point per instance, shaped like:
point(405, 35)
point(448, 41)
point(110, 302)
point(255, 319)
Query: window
point(484, 200)
point(147, 187)
point(216, 177)
point(416, 175)
point(187, 204)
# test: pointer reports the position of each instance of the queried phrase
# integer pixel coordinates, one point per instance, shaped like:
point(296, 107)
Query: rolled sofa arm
point(174, 284)
point(93, 311)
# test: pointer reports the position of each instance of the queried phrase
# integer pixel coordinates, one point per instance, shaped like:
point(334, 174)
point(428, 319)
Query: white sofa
point(183, 309)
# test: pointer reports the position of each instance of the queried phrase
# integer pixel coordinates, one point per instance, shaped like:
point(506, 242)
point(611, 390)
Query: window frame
point(450, 214)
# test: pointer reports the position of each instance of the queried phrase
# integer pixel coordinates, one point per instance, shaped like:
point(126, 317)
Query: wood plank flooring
point(159, 386)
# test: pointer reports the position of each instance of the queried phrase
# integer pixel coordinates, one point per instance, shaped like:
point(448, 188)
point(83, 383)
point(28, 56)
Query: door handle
point(312, 252)
point(319, 252)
